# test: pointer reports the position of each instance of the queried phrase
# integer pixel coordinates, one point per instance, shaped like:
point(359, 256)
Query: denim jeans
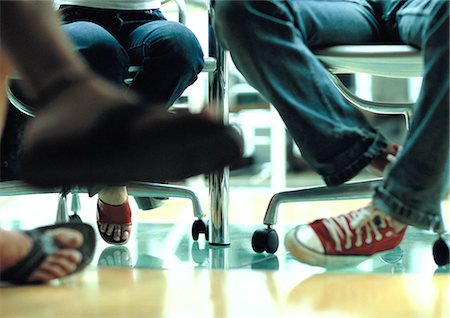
point(273, 50)
point(168, 53)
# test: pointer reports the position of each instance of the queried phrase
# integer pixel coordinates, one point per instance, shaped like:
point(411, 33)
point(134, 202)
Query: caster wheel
point(441, 251)
point(75, 218)
point(200, 226)
point(265, 240)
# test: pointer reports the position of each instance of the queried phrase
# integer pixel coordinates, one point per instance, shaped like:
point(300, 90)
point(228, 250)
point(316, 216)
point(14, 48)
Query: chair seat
point(400, 61)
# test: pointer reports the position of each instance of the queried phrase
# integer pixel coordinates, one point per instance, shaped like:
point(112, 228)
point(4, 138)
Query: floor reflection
point(168, 246)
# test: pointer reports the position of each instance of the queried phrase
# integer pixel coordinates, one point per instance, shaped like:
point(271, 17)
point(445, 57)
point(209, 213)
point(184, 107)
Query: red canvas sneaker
point(342, 240)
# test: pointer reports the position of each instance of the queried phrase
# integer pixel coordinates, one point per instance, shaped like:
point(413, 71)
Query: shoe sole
point(159, 154)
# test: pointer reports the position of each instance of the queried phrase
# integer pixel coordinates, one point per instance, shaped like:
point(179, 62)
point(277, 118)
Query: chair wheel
point(441, 251)
point(265, 240)
point(200, 226)
point(75, 218)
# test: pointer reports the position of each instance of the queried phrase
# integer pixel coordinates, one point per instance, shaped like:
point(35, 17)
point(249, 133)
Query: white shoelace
point(339, 228)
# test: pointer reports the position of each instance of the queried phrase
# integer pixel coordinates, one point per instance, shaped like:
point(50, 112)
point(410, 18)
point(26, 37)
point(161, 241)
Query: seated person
point(88, 131)
point(111, 36)
point(273, 50)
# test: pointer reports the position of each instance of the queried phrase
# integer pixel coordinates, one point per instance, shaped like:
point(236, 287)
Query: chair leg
point(62, 213)
point(145, 189)
point(218, 88)
point(380, 108)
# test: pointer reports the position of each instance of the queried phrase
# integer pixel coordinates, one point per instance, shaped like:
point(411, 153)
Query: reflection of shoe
point(129, 143)
point(393, 256)
point(45, 246)
point(331, 242)
point(115, 256)
point(113, 215)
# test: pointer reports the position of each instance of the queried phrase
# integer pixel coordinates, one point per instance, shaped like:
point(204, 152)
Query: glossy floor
point(162, 271)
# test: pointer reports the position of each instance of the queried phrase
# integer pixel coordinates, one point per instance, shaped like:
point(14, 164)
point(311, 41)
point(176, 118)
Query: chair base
point(139, 189)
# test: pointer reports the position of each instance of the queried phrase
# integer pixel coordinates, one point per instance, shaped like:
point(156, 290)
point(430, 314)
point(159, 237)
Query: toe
point(308, 237)
point(57, 265)
point(67, 238)
point(117, 233)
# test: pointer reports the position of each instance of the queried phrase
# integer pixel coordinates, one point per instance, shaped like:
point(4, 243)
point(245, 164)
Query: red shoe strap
point(113, 214)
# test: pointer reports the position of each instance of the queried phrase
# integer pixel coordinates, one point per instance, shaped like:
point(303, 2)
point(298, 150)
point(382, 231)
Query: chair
point(215, 67)
point(397, 61)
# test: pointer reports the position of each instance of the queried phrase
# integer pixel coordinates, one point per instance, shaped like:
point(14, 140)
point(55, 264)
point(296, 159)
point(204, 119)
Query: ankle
point(380, 163)
point(113, 195)
point(396, 225)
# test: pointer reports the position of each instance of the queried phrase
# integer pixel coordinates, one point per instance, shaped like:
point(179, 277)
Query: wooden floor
point(109, 292)
point(163, 280)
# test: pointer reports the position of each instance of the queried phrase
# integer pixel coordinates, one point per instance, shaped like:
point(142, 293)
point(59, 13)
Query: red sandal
point(113, 214)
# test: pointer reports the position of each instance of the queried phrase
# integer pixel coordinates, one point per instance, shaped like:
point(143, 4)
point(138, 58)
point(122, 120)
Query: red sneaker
point(330, 242)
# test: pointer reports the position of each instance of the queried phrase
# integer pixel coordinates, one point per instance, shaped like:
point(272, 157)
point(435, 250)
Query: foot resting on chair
point(333, 241)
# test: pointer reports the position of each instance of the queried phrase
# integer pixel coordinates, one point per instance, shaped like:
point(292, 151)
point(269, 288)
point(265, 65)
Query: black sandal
point(127, 142)
point(132, 143)
point(44, 246)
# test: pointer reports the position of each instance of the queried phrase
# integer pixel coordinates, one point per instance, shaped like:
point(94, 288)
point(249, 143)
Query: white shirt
point(113, 4)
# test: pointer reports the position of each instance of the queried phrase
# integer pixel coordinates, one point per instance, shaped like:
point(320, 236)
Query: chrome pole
point(218, 104)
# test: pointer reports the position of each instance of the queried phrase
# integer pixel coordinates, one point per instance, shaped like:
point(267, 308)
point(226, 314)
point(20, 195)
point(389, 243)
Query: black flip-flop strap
point(43, 246)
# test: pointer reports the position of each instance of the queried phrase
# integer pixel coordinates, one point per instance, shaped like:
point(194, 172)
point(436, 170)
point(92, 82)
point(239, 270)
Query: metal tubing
point(381, 108)
point(346, 191)
point(165, 190)
point(218, 104)
point(62, 214)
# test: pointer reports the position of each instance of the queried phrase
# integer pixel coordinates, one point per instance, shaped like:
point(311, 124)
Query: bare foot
point(14, 246)
point(115, 196)
point(379, 164)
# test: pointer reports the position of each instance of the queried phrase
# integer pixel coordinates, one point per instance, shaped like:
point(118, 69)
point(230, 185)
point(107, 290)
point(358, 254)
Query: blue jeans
point(272, 49)
point(168, 53)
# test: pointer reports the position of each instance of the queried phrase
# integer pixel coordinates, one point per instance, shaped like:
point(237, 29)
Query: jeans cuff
point(400, 212)
point(376, 148)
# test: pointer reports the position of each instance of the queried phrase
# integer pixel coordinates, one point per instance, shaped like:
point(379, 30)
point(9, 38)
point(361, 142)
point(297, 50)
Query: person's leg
point(171, 58)
point(106, 57)
point(412, 191)
point(101, 50)
point(272, 49)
